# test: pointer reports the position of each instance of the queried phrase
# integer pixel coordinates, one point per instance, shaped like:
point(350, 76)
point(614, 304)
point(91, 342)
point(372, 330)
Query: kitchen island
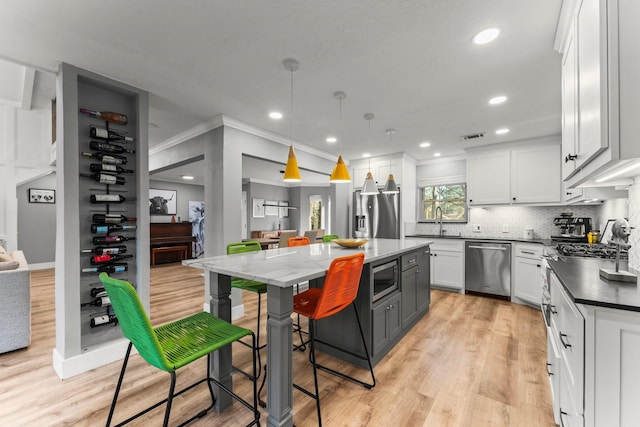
point(281, 269)
point(593, 344)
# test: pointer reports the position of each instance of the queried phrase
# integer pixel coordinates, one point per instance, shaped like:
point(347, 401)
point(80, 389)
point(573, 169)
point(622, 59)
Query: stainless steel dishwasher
point(488, 268)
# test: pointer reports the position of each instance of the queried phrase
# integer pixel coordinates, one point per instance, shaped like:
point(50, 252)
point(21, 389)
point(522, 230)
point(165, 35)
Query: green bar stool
point(250, 286)
point(329, 237)
point(172, 346)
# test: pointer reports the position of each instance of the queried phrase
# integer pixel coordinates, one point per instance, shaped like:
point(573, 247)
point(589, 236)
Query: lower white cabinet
point(527, 278)
point(447, 264)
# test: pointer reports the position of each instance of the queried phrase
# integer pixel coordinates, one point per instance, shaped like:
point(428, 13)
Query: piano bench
point(180, 249)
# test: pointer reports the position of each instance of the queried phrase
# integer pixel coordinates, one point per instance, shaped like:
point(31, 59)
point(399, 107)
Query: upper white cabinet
point(600, 86)
point(380, 168)
point(528, 174)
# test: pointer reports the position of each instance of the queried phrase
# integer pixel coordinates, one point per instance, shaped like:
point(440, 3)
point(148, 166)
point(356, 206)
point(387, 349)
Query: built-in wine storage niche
point(102, 181)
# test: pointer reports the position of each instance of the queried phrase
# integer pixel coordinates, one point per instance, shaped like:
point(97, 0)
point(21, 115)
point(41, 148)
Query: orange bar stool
point(339, 291)
point(299, 241)
point(250, 286)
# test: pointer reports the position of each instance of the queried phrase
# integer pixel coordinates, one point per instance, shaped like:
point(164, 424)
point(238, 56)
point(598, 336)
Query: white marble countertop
point(287, 266)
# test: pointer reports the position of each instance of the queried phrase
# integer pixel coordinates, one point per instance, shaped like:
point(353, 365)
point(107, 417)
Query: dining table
point(280, 269)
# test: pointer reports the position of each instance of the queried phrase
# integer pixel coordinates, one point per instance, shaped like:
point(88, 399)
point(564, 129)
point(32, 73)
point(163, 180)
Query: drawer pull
point(565, 344)
point(549, 373)
point(412, 260)
point(561, 419)
point(528, 252)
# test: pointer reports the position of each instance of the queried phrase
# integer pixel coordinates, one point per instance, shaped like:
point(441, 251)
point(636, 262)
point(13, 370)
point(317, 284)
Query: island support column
point(279, 356)
point(221, 362)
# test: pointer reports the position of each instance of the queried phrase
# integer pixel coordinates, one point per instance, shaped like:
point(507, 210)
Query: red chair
point(298, 241)
point(339, 291)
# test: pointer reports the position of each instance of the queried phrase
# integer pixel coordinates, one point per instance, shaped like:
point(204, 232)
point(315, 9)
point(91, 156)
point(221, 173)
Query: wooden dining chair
point(311, 234)
point(283, 240)
point(258, 288)
point(172, 346)
point(338, 292)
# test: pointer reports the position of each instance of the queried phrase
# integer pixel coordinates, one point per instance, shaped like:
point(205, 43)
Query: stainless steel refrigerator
point(376, 216)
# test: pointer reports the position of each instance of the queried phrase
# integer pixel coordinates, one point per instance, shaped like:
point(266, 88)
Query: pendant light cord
point(291, 121)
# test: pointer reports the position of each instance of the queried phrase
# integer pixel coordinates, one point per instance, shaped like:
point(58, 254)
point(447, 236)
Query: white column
point(8, 200)
point(634, 221)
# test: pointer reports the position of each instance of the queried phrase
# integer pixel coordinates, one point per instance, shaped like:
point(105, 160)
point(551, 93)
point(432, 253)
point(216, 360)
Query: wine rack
point(104, 180)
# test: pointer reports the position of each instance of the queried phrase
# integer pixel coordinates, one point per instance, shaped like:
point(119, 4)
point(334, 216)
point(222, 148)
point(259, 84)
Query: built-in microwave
point(385, 279)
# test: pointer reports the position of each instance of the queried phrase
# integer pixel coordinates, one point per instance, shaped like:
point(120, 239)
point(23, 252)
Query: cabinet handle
point(426, 252)
point(561, 414)
point(514, 199)
point(569, 193)
point(570, 157)
point(538, 265)
point(388, 308)
point(565, 344)
point(470, 200)
point(528, 252)
point(412, 261)
point(548, 371)
point(553, 309)
point(435, 254)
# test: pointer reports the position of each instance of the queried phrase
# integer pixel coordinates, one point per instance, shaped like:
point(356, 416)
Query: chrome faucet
point(439, 209)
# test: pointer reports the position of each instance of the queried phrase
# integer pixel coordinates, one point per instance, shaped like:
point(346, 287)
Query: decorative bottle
point(108, 135)
point(105, 178)
point(109, 116)
point(110, 159)
point(109, 148)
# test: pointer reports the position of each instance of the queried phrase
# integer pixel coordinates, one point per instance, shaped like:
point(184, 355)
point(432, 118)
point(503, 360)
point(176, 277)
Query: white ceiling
point(410, 62)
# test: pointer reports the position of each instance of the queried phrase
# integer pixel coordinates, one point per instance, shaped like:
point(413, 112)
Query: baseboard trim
point(94, 358)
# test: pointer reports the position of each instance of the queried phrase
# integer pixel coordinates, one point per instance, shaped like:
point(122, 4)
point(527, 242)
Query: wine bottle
point(109, 116)
point(105, 178)
point(98, 167)
point(107, 250)
point(110, 159)
point(112, 218)
point(107, 268)
point(101, 259)
point(106, 319)
point(108, 135)
point(107, 198)
point(101, 240)
point(97, 291)
point(107, 228)
point(99, 301)
point(109, 148)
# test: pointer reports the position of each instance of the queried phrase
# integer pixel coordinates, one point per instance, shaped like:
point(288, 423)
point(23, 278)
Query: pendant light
point(390, 187)
point(291, 172)
point(369, 187)
point(340, 172)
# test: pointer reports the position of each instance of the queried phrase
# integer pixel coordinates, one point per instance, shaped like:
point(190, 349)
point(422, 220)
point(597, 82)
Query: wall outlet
point(505, 228)
point(476, 228)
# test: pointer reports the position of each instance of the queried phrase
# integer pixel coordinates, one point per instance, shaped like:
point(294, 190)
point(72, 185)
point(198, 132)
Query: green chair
point(172, 346)
point(329, 237)
point(251, 286)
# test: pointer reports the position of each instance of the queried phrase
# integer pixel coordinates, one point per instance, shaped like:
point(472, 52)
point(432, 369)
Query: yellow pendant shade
point(340, 172)
point(291, 172)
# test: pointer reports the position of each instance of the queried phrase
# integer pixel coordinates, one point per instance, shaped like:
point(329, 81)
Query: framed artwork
point(258, 208)
point(162, 202)
point(196, 218)
point(272, 207)
point(284, 212)
point(39, 195)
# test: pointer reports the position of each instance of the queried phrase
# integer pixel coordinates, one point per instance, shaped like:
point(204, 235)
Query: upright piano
point(170, 242)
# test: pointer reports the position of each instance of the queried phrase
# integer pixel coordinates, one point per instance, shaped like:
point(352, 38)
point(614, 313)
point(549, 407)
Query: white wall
point(634, 220)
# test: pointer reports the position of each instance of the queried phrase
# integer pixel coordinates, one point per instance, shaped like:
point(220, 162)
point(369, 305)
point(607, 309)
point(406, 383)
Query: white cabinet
point(527, 283)
point(600, 88)
point(380, 168)
point(535, 174)
point(447, 264)
point(520, 174)
point(488, 176)
point(613, 362)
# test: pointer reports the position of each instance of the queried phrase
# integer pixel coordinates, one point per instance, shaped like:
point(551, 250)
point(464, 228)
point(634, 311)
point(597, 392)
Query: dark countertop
point(581, 279)
point(546, 242)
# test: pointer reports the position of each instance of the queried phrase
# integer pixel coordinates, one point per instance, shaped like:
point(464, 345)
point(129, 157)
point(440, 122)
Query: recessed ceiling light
point(425, 144)
point(365, 155)
point(502, 131)
point(187, 177)
point(436, 154)
point(486, 36)
point(275, 115)
point(332, 139)
point(497, 100)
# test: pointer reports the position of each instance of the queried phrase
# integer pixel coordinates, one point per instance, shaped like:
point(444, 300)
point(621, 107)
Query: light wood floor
point(471, 361)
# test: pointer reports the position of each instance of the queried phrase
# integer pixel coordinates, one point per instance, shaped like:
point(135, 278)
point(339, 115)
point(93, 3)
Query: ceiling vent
point(472, 136)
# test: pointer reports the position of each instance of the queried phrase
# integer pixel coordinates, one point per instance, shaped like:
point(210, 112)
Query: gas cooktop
point(585, 250)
